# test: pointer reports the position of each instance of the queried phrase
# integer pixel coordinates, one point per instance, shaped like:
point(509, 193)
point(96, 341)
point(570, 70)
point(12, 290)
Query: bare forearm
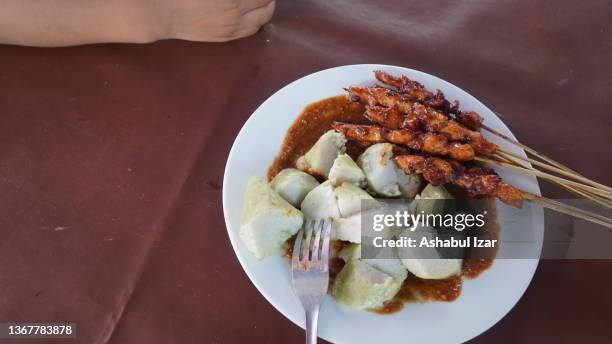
point(73, 22)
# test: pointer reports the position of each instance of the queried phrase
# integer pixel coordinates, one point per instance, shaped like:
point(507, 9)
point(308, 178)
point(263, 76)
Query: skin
point(54, 23)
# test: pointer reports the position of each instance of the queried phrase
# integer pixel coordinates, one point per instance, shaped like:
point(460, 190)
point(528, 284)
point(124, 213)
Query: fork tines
point(311, 249)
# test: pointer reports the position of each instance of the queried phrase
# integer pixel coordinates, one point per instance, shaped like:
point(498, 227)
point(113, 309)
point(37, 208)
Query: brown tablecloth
point(112, 156)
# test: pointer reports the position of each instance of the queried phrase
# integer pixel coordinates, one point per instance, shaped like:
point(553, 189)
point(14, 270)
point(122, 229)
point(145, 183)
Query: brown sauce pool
point(315, 120)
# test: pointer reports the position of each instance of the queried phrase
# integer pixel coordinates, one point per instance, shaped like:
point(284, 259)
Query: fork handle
point(312, 321)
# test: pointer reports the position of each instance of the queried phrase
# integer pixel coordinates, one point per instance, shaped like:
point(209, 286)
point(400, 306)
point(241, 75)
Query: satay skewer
point(603, 193)
point(394, 119)
point(529, 150)
point(569, 210)
point(602, 202)
point(417, 92)
point(437, 144)
point(559, 171)
point(439, 171)
point(431, 143)
point(476, 181)
point(433, 121)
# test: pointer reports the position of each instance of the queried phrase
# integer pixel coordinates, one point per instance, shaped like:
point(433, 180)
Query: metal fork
point(310, 270)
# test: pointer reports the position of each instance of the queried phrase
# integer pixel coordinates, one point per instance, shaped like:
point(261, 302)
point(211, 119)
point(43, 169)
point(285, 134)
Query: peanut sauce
point(315, 120)
point(416, 289)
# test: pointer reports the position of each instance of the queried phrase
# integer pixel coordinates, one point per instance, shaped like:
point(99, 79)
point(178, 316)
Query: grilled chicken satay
point(470, 119)
point(476, 181)
point(390, 118)
point(379, 96)
point(418, 116)
point(412, 88)
point(435, 170)
point(434, 120)
point(428, 142)
point(415, 91)
point(429, 118)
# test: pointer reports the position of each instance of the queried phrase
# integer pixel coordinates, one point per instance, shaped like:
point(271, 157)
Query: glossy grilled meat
point(415, 91)
point(476, 181)
point(377, 99)
point(427, 142)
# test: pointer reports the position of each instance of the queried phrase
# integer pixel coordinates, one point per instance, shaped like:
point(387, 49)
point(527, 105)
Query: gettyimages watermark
point(479, 229)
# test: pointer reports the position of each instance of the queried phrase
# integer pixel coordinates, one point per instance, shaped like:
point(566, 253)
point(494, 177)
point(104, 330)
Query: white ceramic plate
point(483, 301)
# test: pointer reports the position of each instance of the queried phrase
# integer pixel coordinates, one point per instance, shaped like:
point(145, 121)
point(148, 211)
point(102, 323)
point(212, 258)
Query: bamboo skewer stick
point(569, 210)
point(541, 174)
point(585, 194)
point(589, 196)
point(567, 187)
point(557, 170)
point(528, 149)
point(593, 198)
point(557, 167)
point(551, 204)
point(574, 209)
point(507, 161)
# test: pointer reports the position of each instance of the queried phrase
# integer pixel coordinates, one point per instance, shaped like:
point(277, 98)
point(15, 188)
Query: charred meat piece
point(435, 170)
point(478, 184)
point(434, 144)
point(470, 119)
point(427, 117)
point(461, 152)
point(391, 118)
point(360, 132)
point(509, 194)
point(430, 119)
point(415, 91)
point(410, 163)
point(482, 145)
point(379, 96)
point(476, 181)
point(427, 142)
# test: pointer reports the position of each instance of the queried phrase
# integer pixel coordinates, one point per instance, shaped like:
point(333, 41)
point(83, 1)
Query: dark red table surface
point(112, 157)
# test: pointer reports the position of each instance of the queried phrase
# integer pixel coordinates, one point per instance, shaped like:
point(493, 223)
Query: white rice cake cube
point(380, 170)
point(361, 286)
point(293, 185)
point(345, 169)
point(267, 219)
point(321, 156)
point(321, 203)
